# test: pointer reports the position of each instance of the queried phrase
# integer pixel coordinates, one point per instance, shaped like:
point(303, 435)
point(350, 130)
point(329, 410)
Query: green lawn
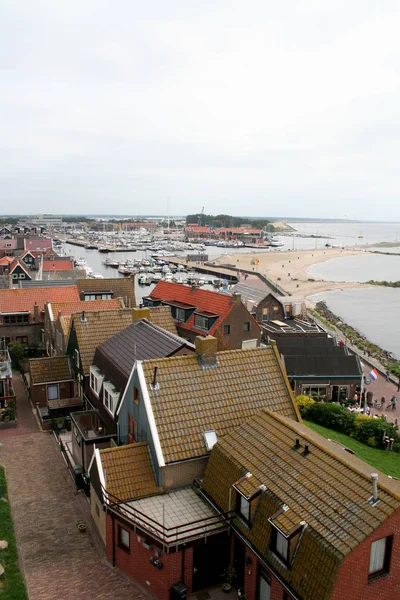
point(387, 462)
point(12, 586)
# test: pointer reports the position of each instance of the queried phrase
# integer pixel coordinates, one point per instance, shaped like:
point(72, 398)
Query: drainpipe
point(113, 539)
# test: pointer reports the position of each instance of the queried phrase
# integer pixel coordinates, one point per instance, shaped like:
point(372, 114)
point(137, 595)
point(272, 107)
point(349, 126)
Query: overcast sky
point(250, 107)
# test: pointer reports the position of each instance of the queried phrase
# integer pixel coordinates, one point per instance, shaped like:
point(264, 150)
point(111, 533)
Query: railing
point(168, 536)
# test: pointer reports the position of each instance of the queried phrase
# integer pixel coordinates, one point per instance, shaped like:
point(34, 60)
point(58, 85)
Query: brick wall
point(136, 564)
point(98, 514)
point(182, 474)
point(33, 332)
point(275, 309)
point(39, 392)
point(352, 581)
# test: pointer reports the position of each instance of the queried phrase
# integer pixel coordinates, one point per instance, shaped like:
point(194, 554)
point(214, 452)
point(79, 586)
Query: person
point(387, 375)
point(368, 411)
point(394, 402)
point(383, 400)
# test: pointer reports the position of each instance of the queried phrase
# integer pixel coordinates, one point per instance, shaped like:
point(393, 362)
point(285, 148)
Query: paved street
point(380, 388)
point(58, 562)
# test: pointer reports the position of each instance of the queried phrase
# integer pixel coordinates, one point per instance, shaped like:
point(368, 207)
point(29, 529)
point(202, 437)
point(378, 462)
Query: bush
point(304, 403)
point(17, 353)
point(331, 416)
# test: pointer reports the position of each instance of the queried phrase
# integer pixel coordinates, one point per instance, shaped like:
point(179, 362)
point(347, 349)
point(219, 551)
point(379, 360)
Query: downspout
point(183, 563)
point(113, 539)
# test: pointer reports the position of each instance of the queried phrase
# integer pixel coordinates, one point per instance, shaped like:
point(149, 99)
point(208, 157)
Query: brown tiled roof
point(161, 316)
point(128, 472)
point(67, 308)
point(65, 323)
point(24, 299)
point(121, 287)
point(50, 369)
point(220, 398)
point(98, 327)
point(327, 488)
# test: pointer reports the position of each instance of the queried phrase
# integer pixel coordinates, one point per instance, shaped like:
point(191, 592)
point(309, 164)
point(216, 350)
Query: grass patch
point(387, 462)
point(12, 586)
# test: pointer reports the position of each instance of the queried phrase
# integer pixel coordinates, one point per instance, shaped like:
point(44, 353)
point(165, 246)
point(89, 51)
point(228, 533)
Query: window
point(280, 545)
point(136, 395)
point(90, 297)
point(180, 315)
point(265, 314)
point(227, 329)
point(132, 430)
point(106, 297)
point(201, 322)
point(22, 339)
point(379, 561)
point(123, 539)
point(15, 319)
point(76, 357)
point(52, 392)
point(247, 326)
point(96, 380)
point(244, 508)
point(110, 397)
point(264, 586)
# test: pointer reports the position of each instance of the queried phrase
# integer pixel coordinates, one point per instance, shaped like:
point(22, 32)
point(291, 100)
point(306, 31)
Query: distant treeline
point(393, 284)
point(224, 221)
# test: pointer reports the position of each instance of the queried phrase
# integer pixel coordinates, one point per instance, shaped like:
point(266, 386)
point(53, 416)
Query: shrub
point(371, 442)
point(331, 416)
point(304, 403)
point(17, 353)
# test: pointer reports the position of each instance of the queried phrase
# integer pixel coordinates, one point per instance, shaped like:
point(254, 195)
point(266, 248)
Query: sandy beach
point(289, 269)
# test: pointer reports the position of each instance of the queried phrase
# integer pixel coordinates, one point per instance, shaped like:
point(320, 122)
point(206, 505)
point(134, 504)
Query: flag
point(373, 374)
point(246, 276)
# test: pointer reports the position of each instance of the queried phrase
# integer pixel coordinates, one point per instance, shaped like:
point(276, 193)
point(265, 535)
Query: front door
point(210, 559)
point(264, 586)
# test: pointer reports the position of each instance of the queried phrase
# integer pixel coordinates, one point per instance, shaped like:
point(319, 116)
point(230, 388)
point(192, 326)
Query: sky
point(250, 107)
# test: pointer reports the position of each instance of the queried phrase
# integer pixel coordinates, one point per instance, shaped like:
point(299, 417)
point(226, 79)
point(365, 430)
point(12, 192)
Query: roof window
point(210, 438)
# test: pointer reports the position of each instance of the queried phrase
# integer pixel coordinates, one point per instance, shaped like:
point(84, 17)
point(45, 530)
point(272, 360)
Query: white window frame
point(95, 380)
point(244, 508)
point(77, 358)
point(180, 315)
point(204, 322)
point(53, 385)
point(377, 558)
point(110, 398)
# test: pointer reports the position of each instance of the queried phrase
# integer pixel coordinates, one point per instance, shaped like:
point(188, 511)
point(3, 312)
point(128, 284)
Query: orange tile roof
point(24, 299)
point(6, 260)
point(203, 300)
point(58, 265)
point(67, 308)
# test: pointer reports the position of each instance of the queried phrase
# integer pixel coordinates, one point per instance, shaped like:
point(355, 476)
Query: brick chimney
point(206, 351)
point(236, 298)
point(195, 286)
point(141, 313)
point(36, 313)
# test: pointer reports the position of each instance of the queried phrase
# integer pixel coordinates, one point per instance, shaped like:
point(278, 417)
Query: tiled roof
point(46, 370)
point(23, 299)
point(65, 323)
point(328, 489)
point(17, 263)
point(203, 300)
point(307, 365)
point(39, 244)
point(6, 260)
point(58, 265)
point(67, 308)
point(121, 287)
point(128, 472)
point(139, 341)
point(161, 316)
point(97, 328)
point(219, 398)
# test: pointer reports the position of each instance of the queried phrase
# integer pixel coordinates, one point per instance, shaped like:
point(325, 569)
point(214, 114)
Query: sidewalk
point(56, 560)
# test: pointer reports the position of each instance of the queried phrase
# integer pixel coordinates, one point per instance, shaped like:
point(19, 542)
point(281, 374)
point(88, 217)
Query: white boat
point(168, 277)
point(201, 281)
point(96, 276)
point(142, 280)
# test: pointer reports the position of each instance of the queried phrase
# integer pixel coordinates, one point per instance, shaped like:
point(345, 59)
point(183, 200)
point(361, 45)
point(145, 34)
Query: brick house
point(308, 520)
point(50, 378)
point(7, 247)
point(316, 366)
point(6, 387)
point(18, 272)
point(55, 343)
point(108, 289)
point(22, 311)
point(172, 412)
point(202, 312)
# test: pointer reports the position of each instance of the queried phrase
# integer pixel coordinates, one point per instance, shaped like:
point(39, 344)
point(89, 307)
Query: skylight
point(210, 438)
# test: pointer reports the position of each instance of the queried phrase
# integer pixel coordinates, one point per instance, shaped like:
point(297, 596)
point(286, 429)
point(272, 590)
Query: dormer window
point(248, 497)
point(280, 545)
point(180, 315)
point(285, 534)
point(244, 508)
point(110, 397)
point(201, 322)
point(96, 380)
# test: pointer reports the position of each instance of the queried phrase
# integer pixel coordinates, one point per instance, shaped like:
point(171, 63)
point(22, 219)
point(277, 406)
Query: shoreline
point(288, 269)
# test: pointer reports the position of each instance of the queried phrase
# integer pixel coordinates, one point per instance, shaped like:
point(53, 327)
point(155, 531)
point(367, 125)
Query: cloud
point(253, 108)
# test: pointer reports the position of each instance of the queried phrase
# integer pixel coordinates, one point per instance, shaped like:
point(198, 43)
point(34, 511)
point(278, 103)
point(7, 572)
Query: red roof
point(38, 244)
point(24, 299)
point(6, 260)
point(203, 300)
point(68, 308)
point(58, 265)
point(219, 230)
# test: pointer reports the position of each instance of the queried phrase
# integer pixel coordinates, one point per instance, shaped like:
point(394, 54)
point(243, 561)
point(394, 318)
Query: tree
point(17, 353)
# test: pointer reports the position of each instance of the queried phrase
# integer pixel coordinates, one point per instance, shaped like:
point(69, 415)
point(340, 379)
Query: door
point(210, 559)
point(132, 430)
point(264, 586)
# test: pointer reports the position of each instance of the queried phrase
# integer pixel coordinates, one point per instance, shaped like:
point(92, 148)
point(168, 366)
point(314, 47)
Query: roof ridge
point(116, 448)
point(167, 333)
point(296, 427)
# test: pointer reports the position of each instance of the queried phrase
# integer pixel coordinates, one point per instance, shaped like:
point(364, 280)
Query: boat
point(90, 247)
point(201, 281)
point(114, 264)
point(168, 277)
point(103, 249)
point(142, 280)
point(95, 275)
point(216, 282)
point(147, 281)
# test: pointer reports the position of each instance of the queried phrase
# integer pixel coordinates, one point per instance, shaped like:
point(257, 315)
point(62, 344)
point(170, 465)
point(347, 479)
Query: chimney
point(83, 318)
point(374, 479)
point(194, 286)
point(206, 351)
point(36, 313)
point(306, 450)
point(141, 313)
point(236, 298)
point(297, 444)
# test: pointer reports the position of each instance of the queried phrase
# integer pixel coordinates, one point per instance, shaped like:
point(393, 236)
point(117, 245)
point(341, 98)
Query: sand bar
point(289, 269)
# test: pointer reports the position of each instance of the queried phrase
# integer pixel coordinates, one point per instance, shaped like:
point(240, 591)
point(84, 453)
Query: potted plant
point(229, 575)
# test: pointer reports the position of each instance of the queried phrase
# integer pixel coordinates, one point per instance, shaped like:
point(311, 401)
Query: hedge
point(360, 427)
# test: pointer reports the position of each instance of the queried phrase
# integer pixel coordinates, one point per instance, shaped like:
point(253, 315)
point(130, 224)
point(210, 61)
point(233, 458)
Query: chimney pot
point(306, 450)
point(236, 298)
point(297, 444)
point(374, 479)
